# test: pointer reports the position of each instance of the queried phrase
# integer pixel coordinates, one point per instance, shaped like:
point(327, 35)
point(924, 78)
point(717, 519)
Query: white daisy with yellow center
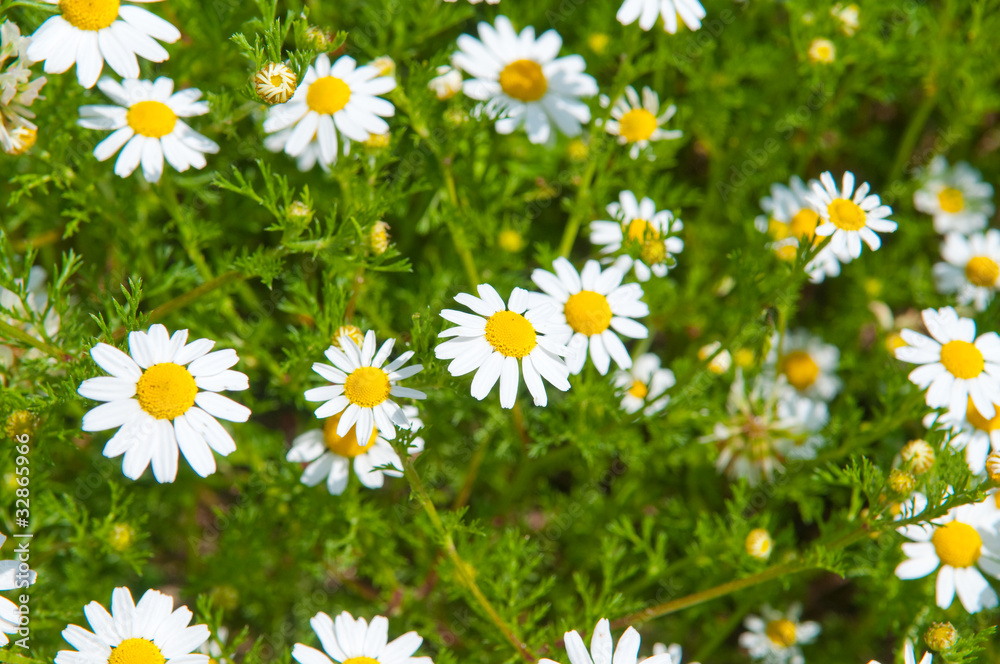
point(956, 365)
point(10, 579)
point(603, 649)
point(645, 238)
point(970, 431)
point(849, 216)
point(645, 385)
point(638, 122)
point(354, 641)
point(148, 126)
point(497, 338)
point(447, 83)
point(329, 456)
point(955, 196)
point(647, 11)
point(150, 632)
point(362, 386)
point(776, 636)
point(89, 33)
point(972, 267)
point(17, 91)
point(822, 51)
point(591, 307)
point(808, 364)
point(164, 396)
point(522, 82)
point(961, 545)
point(334, 105)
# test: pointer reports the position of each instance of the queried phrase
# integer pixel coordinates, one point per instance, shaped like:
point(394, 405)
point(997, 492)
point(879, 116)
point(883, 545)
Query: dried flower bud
point(378, 239)
point(918, 455)
point(941, 636)
point(901, 483)
point(275, 83)
point(759, 544)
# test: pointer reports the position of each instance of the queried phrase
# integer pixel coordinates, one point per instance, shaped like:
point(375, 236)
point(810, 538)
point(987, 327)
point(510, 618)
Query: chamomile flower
point(972, 267)
point(637, 123)
point(603, 649)
point(329, 456)
point(150, 631)
point(147, 126)
point(496, 336)
point(334, 104)
point(849, 17)
point(971, 432)
point(822, 51)
point(11, 579)
point(645, 384)
point(807, 363)
point(960, 545)
point(674, 651)
point(361, 388)
point(648, 237)
point(17, 91)
point(777, 637)
point(522, 82)
point(153, 397)
point(351, 641)
point(89, 33)
point(849, 216)
point(956, 365)
point(910, 657)
point(956, 196)
point(647, 11)
point(275, 83)
point(447, 83)
point(591, 307)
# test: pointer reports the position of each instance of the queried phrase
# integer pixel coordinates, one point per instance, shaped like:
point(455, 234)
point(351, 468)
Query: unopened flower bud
point(993, 467)
point(20, 423)
point(378, 239)
point(318, 38)
point(386, 66)
point(275, 83)
point(121, 537)
point(901, 483)
point(300, 211)
point(759, 544)
point(918, 455)
point(510, 241)
point(941, 636)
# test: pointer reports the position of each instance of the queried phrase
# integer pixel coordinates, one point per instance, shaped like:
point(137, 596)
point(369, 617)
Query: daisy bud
point(21, 140)
point(744, 358)
point(352, 332)
point(941, 636)
point(378, 239)
point(901, 483)
point(318, 38)
point(510, 241)
point(759, 544)
point(121, 537)
point(386, 66)
point(993, 467)
point(578, 150)
point(918, 455)
point(598, 42)
point(20, 423)
point(822, 51)
point(299, 211)
point(447, 83)
point(275, 83)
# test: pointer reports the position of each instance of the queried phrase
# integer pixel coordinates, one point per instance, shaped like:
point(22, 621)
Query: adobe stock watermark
point(23, 576)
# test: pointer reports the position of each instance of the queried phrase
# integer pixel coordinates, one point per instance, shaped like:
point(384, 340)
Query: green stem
point(8, 331)
point(580, 209)
point(911, 135)
point(457, 235)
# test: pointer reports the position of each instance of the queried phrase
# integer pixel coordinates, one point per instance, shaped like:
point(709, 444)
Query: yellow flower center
point(962, 359)
point(823, 53)
point(846, 215)
point(653, 252)
point(637, 125)
point(510, 334)
point(982, 271)
point(800, 369)
point(977, 420)
point(151, 118)
point(781, 632)
point(136, 651)
point(347, 445)
point(894, 341)
point(804, 223)
point(328, 95)
point(89, 14)
point(951, 200)
point(637, 229)
point(22, 139)
point(639, 389)
point(360, 660)
point(524, 80)
point(166, 390)
point(588, 312)
point(957, 544)
point(367, 387)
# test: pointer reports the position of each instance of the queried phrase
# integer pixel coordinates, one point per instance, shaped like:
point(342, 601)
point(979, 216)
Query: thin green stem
point(581, 208)
point(457, 235)
point(8, 331)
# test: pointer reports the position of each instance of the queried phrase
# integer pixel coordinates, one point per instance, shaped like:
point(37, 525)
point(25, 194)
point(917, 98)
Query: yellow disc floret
point(781, 632)
point(637, 125)
point(962, 359)
point(166, 390)
point(346, 445)
point(524, 80)
point(588, 312)
point(957, 544)
point(327, 95)
point(151, 118)
point(639, 389)
point(977, 420)
point(136, 651)
point(800, 369)
point(361, 660)
point(804, 223)
point(951, 200)
point(982, 271)
point(89, 14)
point(846, 215)
point(510, 334)
point(367, 387)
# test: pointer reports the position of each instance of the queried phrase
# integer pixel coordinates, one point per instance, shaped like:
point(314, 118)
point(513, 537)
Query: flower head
point(275, 83)
point(759, 544)
point(354, 641)
point(822, 51)
point(17, 91)
point(849, 215)
point(638, 122)
point(603, 649)
point(644, 385)
point(972, 267)
point(447, 83)
point(645, 238)
point(776, 636)
point(955, 196)
point(807, 363)
point(647, 11)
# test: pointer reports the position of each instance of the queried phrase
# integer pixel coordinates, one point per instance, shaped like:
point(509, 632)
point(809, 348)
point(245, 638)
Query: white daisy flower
point(647, 11)
point(603, 649)
point(522, 82)
point(591, 306)
point(492, 340)
point(808, 364)
point(849, 220)
point(362, 386)
point(17, 91)
point(89, 32)
point(339, 99)
point(35, 305)
point(956, 196)
point(956, 365)
point(962, 543)
point(645, 384)
point(910, 657)
point(329, 455)
point(10, 579)
point(147, 127)
point(822, 51)
point(789, 217)
point(646, 235)
point(153, 397)
point(447, 83)
point(638, 122)
point(150, 631)
point(777, 637)
point(674, 650)
point(351, 641)
point(971, 268)
point(969, 431)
